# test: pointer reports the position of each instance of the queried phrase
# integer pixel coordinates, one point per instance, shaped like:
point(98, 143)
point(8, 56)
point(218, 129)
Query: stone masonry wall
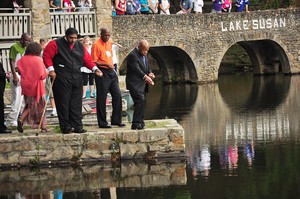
point(161, 139)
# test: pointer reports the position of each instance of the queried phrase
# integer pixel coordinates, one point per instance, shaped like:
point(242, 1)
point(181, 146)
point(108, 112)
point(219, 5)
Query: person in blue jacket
point(241, 4)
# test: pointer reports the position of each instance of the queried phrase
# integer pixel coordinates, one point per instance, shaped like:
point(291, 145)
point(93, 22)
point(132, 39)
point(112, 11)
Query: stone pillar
point(103, 14)
point(40, 22)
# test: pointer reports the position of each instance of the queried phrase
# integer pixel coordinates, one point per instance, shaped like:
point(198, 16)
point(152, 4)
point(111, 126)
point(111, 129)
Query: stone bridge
point(190, 48)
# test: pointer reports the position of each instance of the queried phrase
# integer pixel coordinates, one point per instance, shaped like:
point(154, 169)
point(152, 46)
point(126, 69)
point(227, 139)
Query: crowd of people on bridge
point(137, 7)
point(59, 70)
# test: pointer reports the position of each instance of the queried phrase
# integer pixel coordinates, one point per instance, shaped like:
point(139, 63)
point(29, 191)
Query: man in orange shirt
point(103, 57)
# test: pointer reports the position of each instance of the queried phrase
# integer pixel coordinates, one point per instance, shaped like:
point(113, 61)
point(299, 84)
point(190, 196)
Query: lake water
point(242, 141)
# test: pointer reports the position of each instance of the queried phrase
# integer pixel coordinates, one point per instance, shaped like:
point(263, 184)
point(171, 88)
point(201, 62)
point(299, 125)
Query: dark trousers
point(88, 77)
point(68, 99)
point(108, 83)
point(139, 100)
point(2, 88)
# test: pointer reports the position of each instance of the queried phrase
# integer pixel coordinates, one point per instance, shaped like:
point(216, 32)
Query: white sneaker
point(11, 124)
point(54, 113)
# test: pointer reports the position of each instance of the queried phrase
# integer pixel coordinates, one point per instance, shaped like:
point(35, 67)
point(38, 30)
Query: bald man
point(103, 56)
point(138, 77)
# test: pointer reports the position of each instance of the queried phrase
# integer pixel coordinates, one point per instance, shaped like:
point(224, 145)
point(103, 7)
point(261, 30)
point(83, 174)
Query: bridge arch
point(175, 65)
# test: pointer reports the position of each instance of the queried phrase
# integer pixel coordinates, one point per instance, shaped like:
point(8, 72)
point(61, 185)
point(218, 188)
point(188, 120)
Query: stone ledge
point(160, 139)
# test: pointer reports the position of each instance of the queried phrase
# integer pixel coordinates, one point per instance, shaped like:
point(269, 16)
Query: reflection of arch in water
point(175, 64)
point(254, 93)
point(171, 97)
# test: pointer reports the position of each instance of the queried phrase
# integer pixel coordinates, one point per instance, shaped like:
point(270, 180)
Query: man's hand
point(98, 73)
point(151, 75)
point(15, 80)
point(148, 80)
point(52, 74)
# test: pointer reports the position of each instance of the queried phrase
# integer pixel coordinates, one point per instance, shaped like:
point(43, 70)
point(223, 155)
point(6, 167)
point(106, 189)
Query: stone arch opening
point(173, 63)
point(267, 57)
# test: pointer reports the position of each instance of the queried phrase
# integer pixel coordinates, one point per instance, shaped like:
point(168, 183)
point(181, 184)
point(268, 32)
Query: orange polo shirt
point(102, 52)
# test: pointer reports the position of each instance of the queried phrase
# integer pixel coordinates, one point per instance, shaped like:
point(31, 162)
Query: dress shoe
point(105, 126)
point(120, 125)
point(20, 127)
point(80, 131)
point(5, 131)
point(137, 127)
point(68, 131)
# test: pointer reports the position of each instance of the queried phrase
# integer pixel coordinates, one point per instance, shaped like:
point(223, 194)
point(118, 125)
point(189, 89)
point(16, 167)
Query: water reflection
point(242, 139)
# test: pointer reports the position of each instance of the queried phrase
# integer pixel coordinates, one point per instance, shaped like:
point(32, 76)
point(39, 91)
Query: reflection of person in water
point(249, 152)
point(200, 162)
point(204, 164)
point(223, 157)
point(233, 157)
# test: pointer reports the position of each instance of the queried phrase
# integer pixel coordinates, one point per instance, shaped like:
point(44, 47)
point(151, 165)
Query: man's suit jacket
point(136, 70)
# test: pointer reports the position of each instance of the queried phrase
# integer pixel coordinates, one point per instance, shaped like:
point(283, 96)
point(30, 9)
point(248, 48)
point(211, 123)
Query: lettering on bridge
point(254, 24)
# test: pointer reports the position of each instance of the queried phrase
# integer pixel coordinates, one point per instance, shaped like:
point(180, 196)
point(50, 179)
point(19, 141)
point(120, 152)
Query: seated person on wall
point(153, 5)
point(137, 7)
point(144, 6)
point(164, 6)
point(217, 6)
point(186, 7)
point(120, 6)
point(130, 7)
point(198, 4)
point(241, 4)
point(226, 6)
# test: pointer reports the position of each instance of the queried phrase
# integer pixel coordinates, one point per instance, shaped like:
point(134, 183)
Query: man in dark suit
point(137, 77)
point(3, 77)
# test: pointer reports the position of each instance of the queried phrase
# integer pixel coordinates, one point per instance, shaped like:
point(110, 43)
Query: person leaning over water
point(63, 59)
point(138, 75)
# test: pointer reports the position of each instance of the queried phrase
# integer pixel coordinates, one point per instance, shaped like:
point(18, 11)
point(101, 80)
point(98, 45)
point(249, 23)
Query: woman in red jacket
point(33, 72)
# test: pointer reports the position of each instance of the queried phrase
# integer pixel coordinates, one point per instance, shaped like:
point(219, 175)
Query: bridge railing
point(13, 25)
point(83, 21)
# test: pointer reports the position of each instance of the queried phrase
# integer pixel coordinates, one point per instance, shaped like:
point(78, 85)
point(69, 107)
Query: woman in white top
point(164, 6)
point(84, 5)
point(198, 4)
point(153, 5)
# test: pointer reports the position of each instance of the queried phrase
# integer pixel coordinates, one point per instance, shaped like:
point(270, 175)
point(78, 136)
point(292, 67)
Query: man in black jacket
point(137, 77)
point(63, 59)
point(3, 77)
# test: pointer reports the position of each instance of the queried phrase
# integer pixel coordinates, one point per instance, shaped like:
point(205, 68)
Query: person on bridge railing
point(145, 6)
point(153, 5)
point(198, 4)
point(241, 4)
point(217, 6)
point(16, 6)
point(164, 6)
point(226, 6)
point(84, 5)
point(186, 7)
point(56, 5)
point(69, 5)
point(120, 6)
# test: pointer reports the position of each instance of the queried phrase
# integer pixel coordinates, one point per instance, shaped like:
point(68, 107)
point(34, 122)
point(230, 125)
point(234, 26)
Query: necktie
point(144, 60)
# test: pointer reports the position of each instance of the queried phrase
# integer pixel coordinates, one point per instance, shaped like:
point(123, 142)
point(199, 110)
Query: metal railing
point(83, 21)
point(13, 25)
